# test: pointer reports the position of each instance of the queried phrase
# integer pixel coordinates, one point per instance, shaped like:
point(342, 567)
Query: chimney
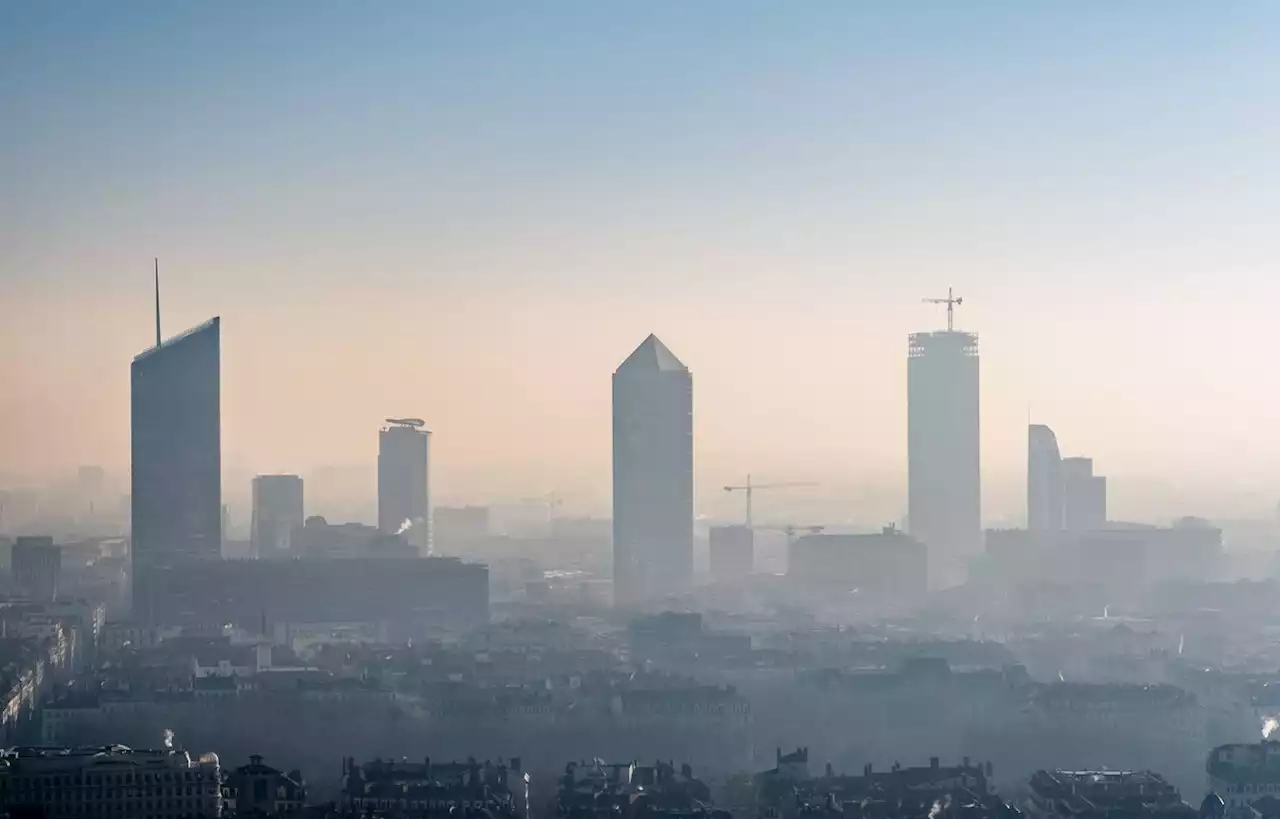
point(866, 770)
point(933, 763)
point(830, 772)
point(966, 762)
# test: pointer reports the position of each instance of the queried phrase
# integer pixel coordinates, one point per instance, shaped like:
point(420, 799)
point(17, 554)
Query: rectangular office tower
point(652, 475)
point(944, 493)
point(404, 506)
point(277, 515)
point(177, 455)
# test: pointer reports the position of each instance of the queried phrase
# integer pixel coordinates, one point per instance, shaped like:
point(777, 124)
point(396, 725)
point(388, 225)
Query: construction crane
point(749, 488)
point(952, 302)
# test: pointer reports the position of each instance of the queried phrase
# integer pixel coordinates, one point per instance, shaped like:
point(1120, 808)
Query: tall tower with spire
point(652, 475)
point(176, 448)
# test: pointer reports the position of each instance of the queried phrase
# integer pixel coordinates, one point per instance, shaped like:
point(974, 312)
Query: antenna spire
point(952, 302)
point(157, 301)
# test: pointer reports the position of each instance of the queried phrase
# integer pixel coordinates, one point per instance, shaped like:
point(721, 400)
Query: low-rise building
point(1104, 795)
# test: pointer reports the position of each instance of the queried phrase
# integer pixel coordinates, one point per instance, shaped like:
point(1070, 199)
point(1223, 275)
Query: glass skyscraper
point(652, 475)
point(177, 455)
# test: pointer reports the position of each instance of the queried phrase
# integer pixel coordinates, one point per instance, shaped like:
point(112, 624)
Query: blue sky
point(1100, 179)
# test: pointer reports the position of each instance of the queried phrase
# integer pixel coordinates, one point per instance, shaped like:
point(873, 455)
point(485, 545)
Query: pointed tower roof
point(652, 356)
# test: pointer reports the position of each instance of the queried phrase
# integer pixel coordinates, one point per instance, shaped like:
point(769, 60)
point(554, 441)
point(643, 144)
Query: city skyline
point(1103, 208)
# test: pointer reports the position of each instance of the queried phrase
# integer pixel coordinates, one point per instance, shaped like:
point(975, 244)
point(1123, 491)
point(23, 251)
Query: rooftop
point(652, 356)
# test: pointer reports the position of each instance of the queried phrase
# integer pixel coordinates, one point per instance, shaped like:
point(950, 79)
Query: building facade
point(1084, 496)
point(176, 455)
point(652, 475)
point(1044, 481)
point(277, 515)
point(404, 501)
point(36, 565)
point(732, 552)
point(944, 493)
point(890, 565)
point(111, 781)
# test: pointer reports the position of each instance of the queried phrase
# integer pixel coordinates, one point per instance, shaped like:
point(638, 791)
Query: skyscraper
point(177, 455)
point(652, 475)
point(944, 503)
point(403, 485)
point(277, 515)
point(1044, 480)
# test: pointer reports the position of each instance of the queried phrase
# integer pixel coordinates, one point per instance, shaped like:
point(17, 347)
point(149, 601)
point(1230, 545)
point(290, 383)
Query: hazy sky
point(473, 211)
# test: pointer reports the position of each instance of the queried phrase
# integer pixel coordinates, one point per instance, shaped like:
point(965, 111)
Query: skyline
point(773, 197)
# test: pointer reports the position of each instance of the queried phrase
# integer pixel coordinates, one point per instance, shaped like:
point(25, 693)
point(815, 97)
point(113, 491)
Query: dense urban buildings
point(944, 494)
point(404, 503)
point(176, 455)
point(277, 515)
point(652, 475)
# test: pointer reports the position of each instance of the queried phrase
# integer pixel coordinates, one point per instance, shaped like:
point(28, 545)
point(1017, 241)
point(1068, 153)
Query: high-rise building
point(277, 515)
point(36, 565)
point(652, 475)
point(1084, 496)
point(177, 455)
point(944, 503)
point(1044, 480)
point(732, 553)
point(404, 505)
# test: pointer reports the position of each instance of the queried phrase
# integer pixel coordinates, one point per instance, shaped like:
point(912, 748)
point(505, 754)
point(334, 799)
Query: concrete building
point(277, 515)
point(732, 550)
point(890, 565)
point(1044, 481)
point(944, 494)
point(110, 781)
point(36, 565)
point(652, 475)
point(1084, 496)
point(176, 455)
point(404, 500)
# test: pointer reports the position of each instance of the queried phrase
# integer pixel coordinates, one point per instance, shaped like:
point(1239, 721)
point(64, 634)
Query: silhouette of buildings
point(277, 515)
point(1044, 481)
point(404, 504)
point(732, 551)
point(652, 475)
point(944, 504)
point(36, 565)
point(177, 455)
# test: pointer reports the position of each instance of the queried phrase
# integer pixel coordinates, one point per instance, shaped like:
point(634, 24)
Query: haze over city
point(472, 214)
point(663, 410)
